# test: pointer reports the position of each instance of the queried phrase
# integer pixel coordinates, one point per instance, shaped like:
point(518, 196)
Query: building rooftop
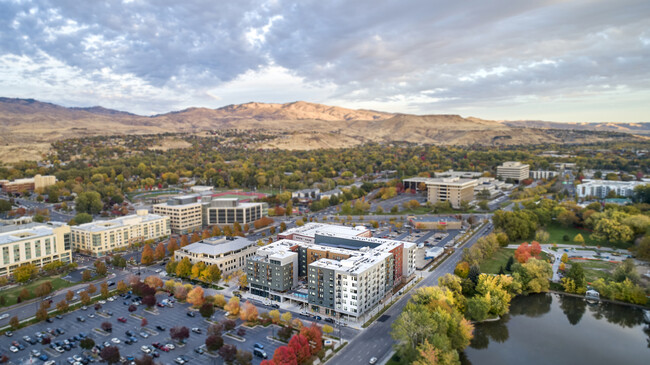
point(217, 246)
point(425, 219)
point(127, 220)
point(311, 229)
point(23, 232)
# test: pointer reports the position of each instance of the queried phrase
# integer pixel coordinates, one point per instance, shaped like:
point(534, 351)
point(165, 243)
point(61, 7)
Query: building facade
point(228, 255)
point(273, 269)
point(228, 211)
point(430, 223)
point(601, 188)
point(38, 244)
point(543, 174)
point(102, 237)
point(37, 182)
point(185, 213)
point(454, 190)
point(514, 170)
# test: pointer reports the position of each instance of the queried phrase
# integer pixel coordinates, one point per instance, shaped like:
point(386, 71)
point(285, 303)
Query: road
point(376, 340)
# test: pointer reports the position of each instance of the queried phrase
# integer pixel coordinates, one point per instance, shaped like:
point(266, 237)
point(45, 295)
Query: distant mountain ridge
point(28, 126)
point(632, 128)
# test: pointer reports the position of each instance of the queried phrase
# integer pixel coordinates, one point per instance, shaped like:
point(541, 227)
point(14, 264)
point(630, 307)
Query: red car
point(160, 304)
point(163, 348)
point(122, 319)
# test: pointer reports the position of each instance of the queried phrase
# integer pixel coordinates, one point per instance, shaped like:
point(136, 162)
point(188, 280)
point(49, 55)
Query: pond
point(558, 329)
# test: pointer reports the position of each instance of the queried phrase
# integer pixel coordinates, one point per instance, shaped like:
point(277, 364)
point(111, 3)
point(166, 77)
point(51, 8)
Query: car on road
point(373, 360)
point(81, 319)
point(260, 353)
point(330, 320)
point(275, 305)
point(6, 315)
point(170, 346)
point(9, 333)
point(90, 315)
point(36, 353)
point(258, 345)
point(43, 357)
point(196, 330)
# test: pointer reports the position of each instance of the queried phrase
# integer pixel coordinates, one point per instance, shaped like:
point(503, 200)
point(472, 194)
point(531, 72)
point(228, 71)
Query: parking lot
point(167, 317)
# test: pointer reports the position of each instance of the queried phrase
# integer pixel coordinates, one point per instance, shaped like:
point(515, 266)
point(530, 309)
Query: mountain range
point(28, 126)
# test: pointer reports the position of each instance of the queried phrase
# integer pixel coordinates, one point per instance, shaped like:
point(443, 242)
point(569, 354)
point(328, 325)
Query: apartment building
point(185, 213)
point(35, 243)
point(514, 170)
point(223, 211)
point(600, 188)
point(37, 183)
point(229, 255)
point(346, 274)
point(101, 237)
point(454, 190)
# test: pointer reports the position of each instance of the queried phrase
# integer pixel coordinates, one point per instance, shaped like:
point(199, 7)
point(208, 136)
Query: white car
point(115, 340)
point(158, 271)
point(170, 346)
point(145, 349)
point(13, 349)
point(110, 299)
point(102, 302)
point(6, 315)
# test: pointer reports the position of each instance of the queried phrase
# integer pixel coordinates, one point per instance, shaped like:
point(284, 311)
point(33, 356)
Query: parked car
point(191, 314)
point(258, 345)
point(145, 349)
point(81, 319)
point(121, 319)
point(260, 353)
point(373, 360)
point(196, 330)
point(161, 328)
point(199, 350)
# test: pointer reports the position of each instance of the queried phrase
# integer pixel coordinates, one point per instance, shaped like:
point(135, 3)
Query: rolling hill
point(27, 126)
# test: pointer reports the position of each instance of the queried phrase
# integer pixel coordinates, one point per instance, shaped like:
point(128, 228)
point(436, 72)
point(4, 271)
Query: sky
point(564, 61)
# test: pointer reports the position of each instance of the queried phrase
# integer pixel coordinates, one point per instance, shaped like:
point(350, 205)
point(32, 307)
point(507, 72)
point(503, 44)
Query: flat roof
point(432, 219)
point(311, 229)
point(217, 245)
point(98, 226)
point(17, 235)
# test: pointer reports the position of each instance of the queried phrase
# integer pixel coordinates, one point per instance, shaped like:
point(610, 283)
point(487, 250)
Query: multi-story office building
point(454, 190)
point(35, 243)
point(228, 211)
point(600, 188)
point(346, 274)
point(185, 213)
point(543, 174)
point(101, 237)
point(514, 170)
point(229, 255)
point(37, 182)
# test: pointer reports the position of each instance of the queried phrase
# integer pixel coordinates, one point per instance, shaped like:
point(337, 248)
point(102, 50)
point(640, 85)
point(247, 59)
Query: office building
point(99, 238)
point(308, 232)
point(35, 243)
point(226, 211)
point(454, 190)
point(36, 183)
point(229, 255)
point(185, 213)
point(601, 188)
point(543, 174)
point(514, 170)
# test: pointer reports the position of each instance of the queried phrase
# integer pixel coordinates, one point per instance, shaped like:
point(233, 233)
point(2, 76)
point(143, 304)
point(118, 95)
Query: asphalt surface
point(376, 340)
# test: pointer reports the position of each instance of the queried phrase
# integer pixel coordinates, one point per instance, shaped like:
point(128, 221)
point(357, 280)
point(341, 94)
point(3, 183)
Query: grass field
point(500, 259)
point(596, 269)
point(11, 295)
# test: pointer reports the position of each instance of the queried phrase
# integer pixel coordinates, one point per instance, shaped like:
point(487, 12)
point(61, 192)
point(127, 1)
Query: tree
point(462, 269)
point(533, 276)
point(147, 255)
point(195, 297)
point(213, 342)
point(611, 230)
point(132, 308)
point(286, 318)
point(522, 253)
point(314, 336)
point(144, 360)
point(179, 333)
point(144, 322)
point(172, 246)
point(44, 289)
point(104, 290)
point(577, 274)
point(578, 239)
point(275, 315)
point(24, 294)
point(87, 343)
point(284, 355)
point(564, 258)
point(14, 322)
point(107, 326)
point(121, 287)
point(243, 281)
point(229, 324)
point(249, 312)
point(233, 306)
point(197, 269)
point(285, 333)
point(184, 241)
point(110, 354)
point(91, 289)
point(89, 202)
point(244, 357)
point(219, 300)
point(154, 281)
point(300, 346)
point(62, 306)
point(86, 275)
point(206, 310)
point(85, 297)
point(25, 273)
point(228, 353)
point(100, 267)
point(171, 266)
point(149, 301)
point(160, 252)
point(211, 274)
point(184, 268)
point(626, 271)
point(478, 308)
point(327, 329)
point(180, 292)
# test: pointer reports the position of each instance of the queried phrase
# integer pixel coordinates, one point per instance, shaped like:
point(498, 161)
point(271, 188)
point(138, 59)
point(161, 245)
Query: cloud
point(498, 58)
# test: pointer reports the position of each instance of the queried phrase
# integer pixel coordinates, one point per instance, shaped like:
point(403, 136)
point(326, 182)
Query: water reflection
point(496, 331)
point(535, 305)
point(626, 318)
point(572, 308)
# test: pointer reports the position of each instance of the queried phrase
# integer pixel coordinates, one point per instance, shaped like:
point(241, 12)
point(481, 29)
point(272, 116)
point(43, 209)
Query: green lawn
point(500, 259)
point(557, 232)
point(11, 295)
point(596, 269)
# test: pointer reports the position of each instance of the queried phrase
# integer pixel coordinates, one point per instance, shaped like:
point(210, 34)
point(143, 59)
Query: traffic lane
point(377, 337)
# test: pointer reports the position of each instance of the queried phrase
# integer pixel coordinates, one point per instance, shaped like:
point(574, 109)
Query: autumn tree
point(110, 354)
point(103, 288)
point(195, 297)
point(172, 246)
point(197, 269)
point(85, 297)
point(300, 346)
point(147, 255)
point(44, 289)
point(428, 355)
point(14, 322)
point(179, 333)
point(275, 315)
point(25, 273)
point(160, 252)
point(233, 306)
point(86, 275)
point(249, 312)
point(284, 355)
point(195, 238)
point(228, 353)
point(286, 318)
point(41, 312)
point(180, 293)
point(184, 268)
point(219, 300)
point(213, 342)
point(184, 241)
point(92, 289)
point(206, 310)
point(100, 267)
point(69, 295)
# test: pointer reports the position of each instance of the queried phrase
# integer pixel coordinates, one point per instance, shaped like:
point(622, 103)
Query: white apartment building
point(229, 255)
point(185, 213)
point(101, 237)
point(513, 170)
point(35, 243)
point(600, 188)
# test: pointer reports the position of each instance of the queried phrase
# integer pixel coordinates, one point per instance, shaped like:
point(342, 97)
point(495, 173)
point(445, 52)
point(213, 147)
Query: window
point(97, 240)
point(5, 255)
point(38, 249)
point(16, 253)
point(28, 251)
point(48, 248)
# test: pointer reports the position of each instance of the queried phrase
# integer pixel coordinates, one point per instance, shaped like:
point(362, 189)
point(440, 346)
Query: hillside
point(27, 126)
point(632, 128)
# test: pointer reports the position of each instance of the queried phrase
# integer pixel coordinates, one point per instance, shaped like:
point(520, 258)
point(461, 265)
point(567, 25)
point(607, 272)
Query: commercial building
point(543, 174)
point(37, 182)
point(601, 188)
point(308, 232)
point(101, 237)
point(454, 190)
point(346, 272)
point(514, 170)
point(439, 223)
point(185, 213)
point(491, 186)
point(229, 255)
point(35, 243)
point(224, 211)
